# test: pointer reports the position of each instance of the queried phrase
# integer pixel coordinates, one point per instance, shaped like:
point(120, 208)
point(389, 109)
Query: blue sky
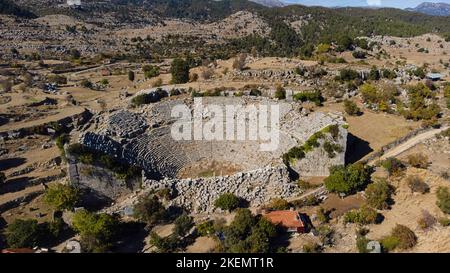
point(359, 3)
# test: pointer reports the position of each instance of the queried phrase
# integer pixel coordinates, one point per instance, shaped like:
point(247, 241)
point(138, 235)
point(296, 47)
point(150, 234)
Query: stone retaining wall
point(257, 187)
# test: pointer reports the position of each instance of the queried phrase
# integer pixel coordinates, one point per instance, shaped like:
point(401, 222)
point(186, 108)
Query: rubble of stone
point(257, 186)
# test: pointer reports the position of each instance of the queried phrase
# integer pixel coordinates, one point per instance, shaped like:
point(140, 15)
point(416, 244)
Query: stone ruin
point(142, 137)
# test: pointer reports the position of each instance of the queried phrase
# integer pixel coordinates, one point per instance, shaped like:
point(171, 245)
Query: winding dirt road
point(409, 144)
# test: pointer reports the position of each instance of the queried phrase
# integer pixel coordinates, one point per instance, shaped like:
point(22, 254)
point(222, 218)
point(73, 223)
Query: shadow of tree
point(9, 163)
point(15, 185)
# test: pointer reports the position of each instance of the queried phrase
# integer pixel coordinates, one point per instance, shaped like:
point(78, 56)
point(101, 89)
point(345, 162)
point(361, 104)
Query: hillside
point(290, 30)
point(436, 9)
point(269, 3)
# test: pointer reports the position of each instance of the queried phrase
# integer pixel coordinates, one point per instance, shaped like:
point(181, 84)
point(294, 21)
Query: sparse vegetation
point(416, 184)
point(393, 166)
point(427, 220)
point(88, 156)
point(351, 108)
point(418, 161)
point(280, 92)
point(378, 194)
point(279, 204)
point(401, 237)
point(149, 210)
point(150, 71)
point(314, 96)
point(364, 216)
point(148, 98)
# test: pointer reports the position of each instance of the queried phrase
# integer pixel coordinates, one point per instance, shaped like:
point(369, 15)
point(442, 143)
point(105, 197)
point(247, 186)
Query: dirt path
point(314, 192)
point(409, 144)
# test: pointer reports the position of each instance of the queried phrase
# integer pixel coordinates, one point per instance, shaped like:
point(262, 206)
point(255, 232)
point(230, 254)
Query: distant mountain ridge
point(269, 3)
point(436, 9)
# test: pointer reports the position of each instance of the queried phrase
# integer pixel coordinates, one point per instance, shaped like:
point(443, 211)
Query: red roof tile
point(286, 218)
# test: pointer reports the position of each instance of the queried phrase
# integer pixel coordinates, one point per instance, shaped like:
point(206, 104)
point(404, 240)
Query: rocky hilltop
point(436, 9)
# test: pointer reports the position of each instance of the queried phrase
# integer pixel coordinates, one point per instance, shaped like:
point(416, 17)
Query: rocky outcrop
point(318, 162)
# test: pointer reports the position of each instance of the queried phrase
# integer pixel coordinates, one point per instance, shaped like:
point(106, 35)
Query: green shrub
point(62, 197)
point(445, 222)
point(323, 215)
point(148, 98)
point(23, 233)
point(150, 71)
point(314, 96)
point(364, 216)
point(304, 185)
point(97, 231)
point(348, 179)
point(378, 194)
point(416, 184)
point(90, 157)
point(167, 244)
point(248, 234)
point(351, 108)
point(293, 153)
point(280, 93)
point(393, 166)
point(443, 202)
point(406, 237)
point(149, 210)
point(279, 204)
point(87, 84)
point(179, 71)
point(361, 244)
point(359, 54)
point(369, 93)
point(312, 248)
point(388, 74)
point(347, 75)
point(131, 75)
point(418, 161)
point(332, 149)
point(227, 201)
point(206, 228)
point(389, 243)
point(183, 224)
point(418, 107)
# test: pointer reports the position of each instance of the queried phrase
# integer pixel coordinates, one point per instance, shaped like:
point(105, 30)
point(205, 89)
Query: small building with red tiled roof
point(292, 220)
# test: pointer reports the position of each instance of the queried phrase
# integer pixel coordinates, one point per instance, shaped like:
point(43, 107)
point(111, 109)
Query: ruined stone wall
point(257, 187)
point(318, 162)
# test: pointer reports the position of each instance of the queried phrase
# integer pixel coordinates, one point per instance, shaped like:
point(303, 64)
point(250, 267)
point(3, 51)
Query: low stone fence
point(393, 144)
